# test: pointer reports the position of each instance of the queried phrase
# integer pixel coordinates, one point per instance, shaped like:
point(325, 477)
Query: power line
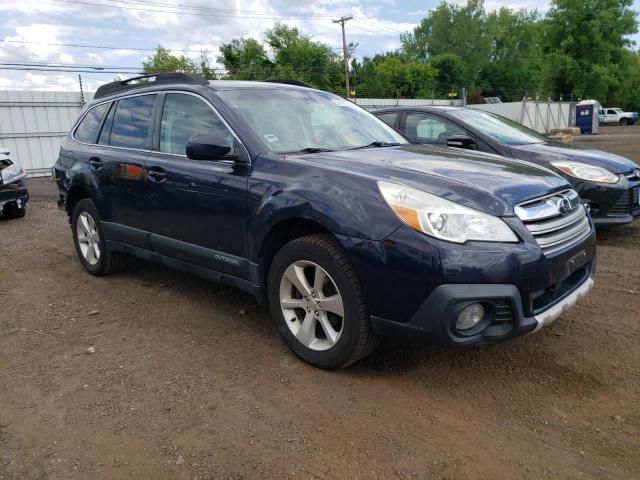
point(381, 27)
point(378, 33)
point(256, 15)
point(26, 63)
point(214, 9)
point(102, 47)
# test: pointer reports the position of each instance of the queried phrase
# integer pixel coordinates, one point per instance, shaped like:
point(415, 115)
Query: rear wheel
point(90, 243)
point(317, 304)
point(13, 210)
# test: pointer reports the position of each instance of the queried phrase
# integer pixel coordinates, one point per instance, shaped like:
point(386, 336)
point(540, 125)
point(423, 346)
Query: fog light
point(470, 316)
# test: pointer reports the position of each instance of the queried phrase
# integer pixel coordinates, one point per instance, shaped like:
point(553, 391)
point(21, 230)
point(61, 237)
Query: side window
point(611, 112)
point(87, 131)
point(388, 118)
point(428, 129)
point(184, 116)
point(105, 133)
point(132, 122)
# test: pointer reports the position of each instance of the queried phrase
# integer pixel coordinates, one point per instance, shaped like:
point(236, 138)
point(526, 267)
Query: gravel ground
point(188, 379)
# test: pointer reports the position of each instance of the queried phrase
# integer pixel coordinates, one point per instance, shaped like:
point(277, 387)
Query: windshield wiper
point(377, 145)
point(312, 150)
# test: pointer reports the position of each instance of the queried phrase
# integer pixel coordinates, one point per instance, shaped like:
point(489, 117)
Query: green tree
point(587, 49)
point(452, 29)
point(514, 63)
point(450, 68)
point(298, 57)
point(162, 60)
point(392, 75)
point(245, 59)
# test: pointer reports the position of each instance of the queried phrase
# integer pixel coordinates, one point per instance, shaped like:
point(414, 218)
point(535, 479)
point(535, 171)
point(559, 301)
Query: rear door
point(196, 209)
point(118, 159)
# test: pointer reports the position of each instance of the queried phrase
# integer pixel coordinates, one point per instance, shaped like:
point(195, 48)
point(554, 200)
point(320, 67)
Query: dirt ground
point(190, 381)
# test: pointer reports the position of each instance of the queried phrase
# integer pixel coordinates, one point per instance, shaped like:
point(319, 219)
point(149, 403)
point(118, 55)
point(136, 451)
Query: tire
point(11, 211)
point(92, 250)
point(624, 121)
point(334, 341)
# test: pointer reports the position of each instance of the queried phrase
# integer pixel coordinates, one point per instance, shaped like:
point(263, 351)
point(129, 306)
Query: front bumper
point(435, 319)
point(416, 286)
point(551, 315)
point(611, 205)
point(14, 192)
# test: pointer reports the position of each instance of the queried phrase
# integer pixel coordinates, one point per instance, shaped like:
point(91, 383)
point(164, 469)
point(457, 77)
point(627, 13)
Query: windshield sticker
point(270, 137)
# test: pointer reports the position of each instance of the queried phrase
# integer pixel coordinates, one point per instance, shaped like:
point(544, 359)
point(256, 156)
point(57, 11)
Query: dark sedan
point(13, 191)
point(608, 182)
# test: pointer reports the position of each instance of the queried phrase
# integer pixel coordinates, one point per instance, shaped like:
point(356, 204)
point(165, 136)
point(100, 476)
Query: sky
point(43, 31)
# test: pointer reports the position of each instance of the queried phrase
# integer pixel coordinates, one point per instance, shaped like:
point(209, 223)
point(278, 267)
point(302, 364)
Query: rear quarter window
point(87, 130)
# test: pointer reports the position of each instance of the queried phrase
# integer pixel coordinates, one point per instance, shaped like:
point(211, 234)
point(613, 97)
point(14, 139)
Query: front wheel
point(317, 303)
point(624, 121)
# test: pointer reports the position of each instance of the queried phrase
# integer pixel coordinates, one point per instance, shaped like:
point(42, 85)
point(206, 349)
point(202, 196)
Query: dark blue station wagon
point(335, 222)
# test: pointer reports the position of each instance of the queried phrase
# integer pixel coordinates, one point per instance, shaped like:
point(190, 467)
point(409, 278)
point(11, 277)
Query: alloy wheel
point(88, 238)
point(311, 305)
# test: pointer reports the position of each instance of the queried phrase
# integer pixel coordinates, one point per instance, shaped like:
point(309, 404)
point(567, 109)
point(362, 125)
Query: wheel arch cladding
point(284, 232)
point(75, 194)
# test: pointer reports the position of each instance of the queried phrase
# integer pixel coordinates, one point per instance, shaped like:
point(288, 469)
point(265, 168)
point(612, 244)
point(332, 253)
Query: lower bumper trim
point(549, 316)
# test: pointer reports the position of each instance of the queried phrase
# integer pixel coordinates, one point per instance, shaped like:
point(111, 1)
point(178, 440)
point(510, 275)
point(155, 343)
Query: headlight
point(442, 218)
point(586, 172)
point(11, 174)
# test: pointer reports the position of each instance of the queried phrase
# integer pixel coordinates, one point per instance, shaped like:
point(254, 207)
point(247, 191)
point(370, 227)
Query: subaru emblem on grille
point(563, 204)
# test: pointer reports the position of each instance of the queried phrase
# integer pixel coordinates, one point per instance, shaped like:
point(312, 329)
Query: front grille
point(627, 202)
point(556, 221)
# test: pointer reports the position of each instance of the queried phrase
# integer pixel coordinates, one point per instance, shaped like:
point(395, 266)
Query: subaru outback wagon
point(332, 219)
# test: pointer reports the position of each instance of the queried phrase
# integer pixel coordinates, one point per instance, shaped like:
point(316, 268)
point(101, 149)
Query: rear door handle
point(157, 174)
point(95, 163)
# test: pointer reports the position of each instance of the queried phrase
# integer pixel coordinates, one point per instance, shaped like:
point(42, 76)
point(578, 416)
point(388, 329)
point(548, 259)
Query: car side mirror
point(460, 141)
point(209, 146)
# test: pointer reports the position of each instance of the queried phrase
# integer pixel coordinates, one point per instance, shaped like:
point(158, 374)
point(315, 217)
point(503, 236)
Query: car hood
point(565, 151)
point(482, 181)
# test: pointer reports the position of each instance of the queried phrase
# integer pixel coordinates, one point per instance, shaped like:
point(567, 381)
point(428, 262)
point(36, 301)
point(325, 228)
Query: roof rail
point(298, 83)
point(147, 80)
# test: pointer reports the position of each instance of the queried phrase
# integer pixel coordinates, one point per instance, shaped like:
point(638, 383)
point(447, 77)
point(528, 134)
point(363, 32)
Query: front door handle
point(95, 163)
point(157, 174)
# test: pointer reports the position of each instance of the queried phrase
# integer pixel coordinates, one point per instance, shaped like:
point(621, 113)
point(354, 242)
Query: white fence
point(375, 103)
point(539, 116)
point(33, 124)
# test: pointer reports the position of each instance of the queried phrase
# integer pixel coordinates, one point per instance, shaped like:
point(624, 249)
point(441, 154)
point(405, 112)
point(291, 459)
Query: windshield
point(291, 120)
point(499, 128)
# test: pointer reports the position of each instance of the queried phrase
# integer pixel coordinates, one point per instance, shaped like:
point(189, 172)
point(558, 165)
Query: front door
point(196, 209)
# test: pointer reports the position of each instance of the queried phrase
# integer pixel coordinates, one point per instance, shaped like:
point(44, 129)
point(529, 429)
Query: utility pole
point(342, 21)
point(81, 91)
